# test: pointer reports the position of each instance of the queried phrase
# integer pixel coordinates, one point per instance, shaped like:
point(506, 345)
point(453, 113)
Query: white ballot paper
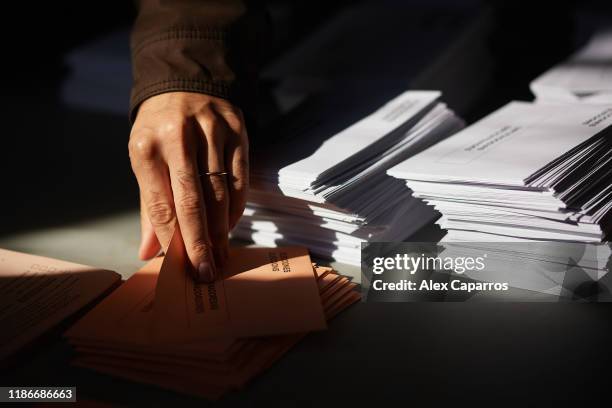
point(325, 187)
point(509, 146)
point(525, 172)
point(584, 77)
point(555, 268)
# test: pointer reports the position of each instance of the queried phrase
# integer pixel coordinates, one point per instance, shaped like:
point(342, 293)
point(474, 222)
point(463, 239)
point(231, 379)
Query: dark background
point(66, 87)
point(64, 158)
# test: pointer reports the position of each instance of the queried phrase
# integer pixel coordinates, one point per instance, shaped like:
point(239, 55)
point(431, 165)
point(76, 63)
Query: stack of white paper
point(584, 77)
point(527, 171)
point(564, 269)
point(326, 188)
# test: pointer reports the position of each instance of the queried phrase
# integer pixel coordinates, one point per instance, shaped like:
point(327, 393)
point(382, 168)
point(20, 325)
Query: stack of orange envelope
point(161, 328)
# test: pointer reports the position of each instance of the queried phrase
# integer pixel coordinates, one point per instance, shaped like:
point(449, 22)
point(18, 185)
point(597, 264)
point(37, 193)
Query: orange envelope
point(180, 385)
point(190, 358)
point(262, 292)
point(351, 298)
point(124, 319)
point(265, 352)
point(204, 376)
point(37, 293)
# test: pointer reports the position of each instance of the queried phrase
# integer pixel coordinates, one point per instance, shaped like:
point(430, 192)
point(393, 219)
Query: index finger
point(191, 215)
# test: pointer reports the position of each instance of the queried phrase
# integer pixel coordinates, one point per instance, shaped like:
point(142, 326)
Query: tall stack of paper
point(584, 77)
point(527, 171)
point(325, 187)
point(161, 328)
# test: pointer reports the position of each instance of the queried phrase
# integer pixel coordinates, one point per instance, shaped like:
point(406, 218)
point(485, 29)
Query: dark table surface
point(430, 354)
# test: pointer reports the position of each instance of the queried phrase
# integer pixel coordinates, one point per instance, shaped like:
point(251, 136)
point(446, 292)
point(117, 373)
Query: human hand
point(176, 138)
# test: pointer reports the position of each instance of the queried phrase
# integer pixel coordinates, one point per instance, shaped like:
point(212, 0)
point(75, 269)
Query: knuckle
point(241, 183)
point(236, 123)
point(206, 104)
point(190, 204)
point(212, 117)
point(218, 189)
point(234, 118)
point(175, 135)
point(201, 249)
point(215, 123)
point(185, 179)
point(171, 127)
point(160, 213)
point(141, 147)
point(228, 109)
point(240, 129)
point(242, 164)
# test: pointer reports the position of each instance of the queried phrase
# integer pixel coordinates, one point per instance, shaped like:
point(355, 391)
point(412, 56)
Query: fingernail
point(205, 272)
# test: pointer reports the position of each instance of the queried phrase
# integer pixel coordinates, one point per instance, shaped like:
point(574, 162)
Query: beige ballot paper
point(106, 339)
point(123, 320)
point(36, 293)
point(262, 292)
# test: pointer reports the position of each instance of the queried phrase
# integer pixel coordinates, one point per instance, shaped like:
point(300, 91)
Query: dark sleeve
point(206, 46)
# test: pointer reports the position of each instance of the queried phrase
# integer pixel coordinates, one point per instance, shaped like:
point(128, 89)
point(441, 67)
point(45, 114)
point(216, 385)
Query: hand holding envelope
point(263, 291)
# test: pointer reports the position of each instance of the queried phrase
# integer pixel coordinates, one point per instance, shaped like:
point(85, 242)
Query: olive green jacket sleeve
point(206, 46)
